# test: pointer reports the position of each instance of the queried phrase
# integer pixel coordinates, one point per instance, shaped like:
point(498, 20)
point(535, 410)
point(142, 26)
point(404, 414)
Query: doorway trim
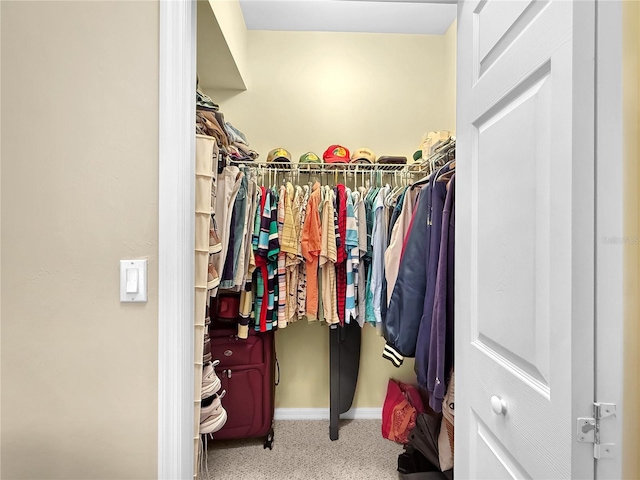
point(176, 238)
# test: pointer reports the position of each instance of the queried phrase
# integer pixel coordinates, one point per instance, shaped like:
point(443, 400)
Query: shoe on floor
point(215, 245)
point(213, 280)
point(210, 382)
point(214, 416)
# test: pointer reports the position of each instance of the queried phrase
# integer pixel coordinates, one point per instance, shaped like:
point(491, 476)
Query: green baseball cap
point(310, 157)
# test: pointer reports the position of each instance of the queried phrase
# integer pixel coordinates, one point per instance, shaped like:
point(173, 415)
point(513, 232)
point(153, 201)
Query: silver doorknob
point(498, 405)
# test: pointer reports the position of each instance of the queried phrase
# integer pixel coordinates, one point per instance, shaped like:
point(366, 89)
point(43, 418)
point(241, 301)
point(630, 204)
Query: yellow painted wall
point(229, 17)
point(631, 85)
point(450, 63)
point(79, 192)
point(314, 89)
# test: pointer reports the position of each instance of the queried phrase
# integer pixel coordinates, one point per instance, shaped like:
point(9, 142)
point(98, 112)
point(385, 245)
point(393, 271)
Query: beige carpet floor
point(302, 450)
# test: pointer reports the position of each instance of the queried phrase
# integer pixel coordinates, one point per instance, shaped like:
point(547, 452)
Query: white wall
point(79, 193)
point(314, 89)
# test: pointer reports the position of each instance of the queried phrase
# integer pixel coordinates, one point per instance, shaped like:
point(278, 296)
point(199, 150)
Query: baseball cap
point(336, 154)
point(392, 160)
point(279, 155)
point(310, 158)
point(363, 155)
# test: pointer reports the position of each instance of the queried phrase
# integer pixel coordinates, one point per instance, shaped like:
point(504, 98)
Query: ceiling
point(377, 16)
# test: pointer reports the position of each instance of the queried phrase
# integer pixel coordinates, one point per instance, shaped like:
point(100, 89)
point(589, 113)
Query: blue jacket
point(400, 327)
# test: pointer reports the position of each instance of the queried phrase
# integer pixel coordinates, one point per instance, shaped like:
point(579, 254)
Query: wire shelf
point(406, 171)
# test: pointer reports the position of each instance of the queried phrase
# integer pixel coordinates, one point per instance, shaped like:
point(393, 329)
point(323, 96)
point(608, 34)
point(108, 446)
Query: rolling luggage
point(247, 371)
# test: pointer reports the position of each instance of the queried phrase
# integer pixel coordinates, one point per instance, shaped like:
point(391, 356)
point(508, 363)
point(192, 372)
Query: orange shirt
point(311, 244)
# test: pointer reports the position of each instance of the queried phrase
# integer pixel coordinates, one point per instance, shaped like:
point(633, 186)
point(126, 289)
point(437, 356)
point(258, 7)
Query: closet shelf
point(442, 153)
point(322, 167)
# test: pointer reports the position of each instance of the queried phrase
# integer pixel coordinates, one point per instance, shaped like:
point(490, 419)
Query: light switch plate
point(141, 267)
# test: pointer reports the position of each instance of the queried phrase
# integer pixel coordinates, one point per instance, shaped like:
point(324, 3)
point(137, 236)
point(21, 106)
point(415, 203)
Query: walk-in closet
point(332, 111)
point(383, 233)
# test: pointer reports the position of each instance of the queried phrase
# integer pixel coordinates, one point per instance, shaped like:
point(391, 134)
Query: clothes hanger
point(446, 176)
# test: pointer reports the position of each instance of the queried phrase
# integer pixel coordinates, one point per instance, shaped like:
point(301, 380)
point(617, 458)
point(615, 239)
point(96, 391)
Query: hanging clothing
point(392, 254)
point(247, 294)
point(228, 185)
point(267, 263)
point(328, 255)
point(236, 234)
point(441, 346)
point(302, 265)
point(401, 325)
point(247, 227)
point(311, 246)
point(282, 260)
point(361, 217)
point(368, 204)
point(434, 232)
point(290, 246)
point(379, 245)
point(341, 261)
point(353, 260)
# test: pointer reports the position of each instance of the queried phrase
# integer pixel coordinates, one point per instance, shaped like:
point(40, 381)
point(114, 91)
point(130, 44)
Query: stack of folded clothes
point(210, 121)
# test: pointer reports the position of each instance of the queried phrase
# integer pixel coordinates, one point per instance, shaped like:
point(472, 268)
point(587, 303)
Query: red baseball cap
point(336, 154)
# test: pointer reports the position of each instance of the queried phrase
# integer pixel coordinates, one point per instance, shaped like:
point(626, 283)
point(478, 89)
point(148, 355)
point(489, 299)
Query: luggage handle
point(278, 369)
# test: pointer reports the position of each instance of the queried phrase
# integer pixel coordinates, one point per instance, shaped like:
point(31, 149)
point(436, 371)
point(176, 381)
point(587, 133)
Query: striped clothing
point(353, 260)
point(246, 295)
point(282, 261)
point(369, 314)
point(266, 255)
point(327, 260)
point(361, 214)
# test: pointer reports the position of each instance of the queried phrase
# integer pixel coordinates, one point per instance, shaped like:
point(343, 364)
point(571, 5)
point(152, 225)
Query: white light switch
point(133, 280)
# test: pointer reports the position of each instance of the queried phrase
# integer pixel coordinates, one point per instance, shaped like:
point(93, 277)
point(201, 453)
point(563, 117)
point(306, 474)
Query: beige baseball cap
point(363, 155)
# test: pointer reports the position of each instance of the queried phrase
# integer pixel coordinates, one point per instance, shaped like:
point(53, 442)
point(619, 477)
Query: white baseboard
point(368, 413)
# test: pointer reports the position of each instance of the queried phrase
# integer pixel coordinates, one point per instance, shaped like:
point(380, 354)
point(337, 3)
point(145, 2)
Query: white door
point(525, 238)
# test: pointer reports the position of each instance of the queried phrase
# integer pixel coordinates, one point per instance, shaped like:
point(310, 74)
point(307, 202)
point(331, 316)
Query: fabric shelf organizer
point(204, 189)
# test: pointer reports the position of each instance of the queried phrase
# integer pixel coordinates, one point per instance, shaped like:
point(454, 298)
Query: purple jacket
point(441, 342)
point(438, 196)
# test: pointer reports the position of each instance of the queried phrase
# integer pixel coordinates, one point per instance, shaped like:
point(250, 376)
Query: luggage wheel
point(268, 442)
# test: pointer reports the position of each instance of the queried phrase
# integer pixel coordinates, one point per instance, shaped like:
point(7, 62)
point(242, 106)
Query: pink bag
point(400, 410)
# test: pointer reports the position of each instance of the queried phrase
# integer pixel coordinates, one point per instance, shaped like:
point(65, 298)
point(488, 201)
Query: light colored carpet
point(302, 450)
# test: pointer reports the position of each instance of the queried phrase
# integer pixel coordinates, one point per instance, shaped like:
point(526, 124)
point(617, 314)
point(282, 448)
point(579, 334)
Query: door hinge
point(589, 430)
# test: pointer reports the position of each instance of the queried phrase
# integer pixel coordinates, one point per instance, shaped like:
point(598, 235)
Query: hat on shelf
point(392, 160)
point(363, 155)
point(309, 158)
point(417, 156)
point(279, 155)
point(336, 154)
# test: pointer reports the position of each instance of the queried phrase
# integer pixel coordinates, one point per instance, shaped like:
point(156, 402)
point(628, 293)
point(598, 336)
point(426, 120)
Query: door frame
point(176, 205)
point(609, 223)
point(176, 238)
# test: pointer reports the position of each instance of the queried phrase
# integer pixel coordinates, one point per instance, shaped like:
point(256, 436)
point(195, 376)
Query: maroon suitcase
point(247, 372)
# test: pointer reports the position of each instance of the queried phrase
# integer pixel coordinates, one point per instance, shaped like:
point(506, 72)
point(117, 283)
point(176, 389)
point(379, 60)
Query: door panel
point(491, 460)
point(524, 238)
